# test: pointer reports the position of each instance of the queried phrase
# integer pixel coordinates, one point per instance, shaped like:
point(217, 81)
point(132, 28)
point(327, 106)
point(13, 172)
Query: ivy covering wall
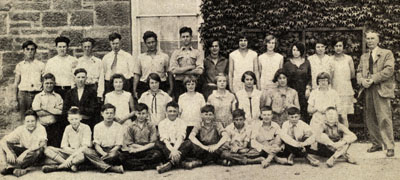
point(306, 20)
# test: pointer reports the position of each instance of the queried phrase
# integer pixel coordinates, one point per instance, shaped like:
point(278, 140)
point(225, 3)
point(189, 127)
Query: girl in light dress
point(320, 62)
point(122, 100)
point(223, 101)
point(191, 102)
point(240, 61)
point(342, 71)
point(155, 98)
point(249, 98)
point(269, 63)
point(280, 98)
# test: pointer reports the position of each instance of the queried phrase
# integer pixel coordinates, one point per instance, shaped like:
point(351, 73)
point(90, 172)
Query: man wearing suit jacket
point(375, 74)
point(84, 98)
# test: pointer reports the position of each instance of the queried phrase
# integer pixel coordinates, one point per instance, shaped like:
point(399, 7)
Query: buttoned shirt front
point(335, 133)
point(186, 57)
point(27, 139)
point(212, 70)
point(238, 137)
point(264, 135)
point(139, 135)
point(156, 103)
point(31, 73)
point(302, 133)
point(108, 136)
point(63, 69)
point(208, 134)
point(147, 64)
point(172, 130)
point(93, 68)
point(43, 101)
point(250, 103)
point(75, 139)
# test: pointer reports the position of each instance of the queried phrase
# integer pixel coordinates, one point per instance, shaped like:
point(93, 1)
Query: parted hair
point(28, 43)
point(62, 39)
point(207, 108)
point(80, 70)
point(238, 113)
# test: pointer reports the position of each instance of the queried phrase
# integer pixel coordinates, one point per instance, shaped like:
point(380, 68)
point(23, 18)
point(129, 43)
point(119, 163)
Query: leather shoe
point(374, 149)
point(390, 153)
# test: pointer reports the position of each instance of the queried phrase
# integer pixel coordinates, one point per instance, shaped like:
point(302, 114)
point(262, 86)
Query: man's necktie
point(114, 64)
point(371, 63)
point(291, 132)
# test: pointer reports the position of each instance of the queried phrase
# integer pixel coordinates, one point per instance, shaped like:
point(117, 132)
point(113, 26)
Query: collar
point(79, 128)
point(220, 58)
point(188, 48)
point(135, 123)
point(28, 62)
point(157, 52)
point(43, 93)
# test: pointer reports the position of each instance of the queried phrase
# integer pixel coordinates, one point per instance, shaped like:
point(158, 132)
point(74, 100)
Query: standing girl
point(269, 63)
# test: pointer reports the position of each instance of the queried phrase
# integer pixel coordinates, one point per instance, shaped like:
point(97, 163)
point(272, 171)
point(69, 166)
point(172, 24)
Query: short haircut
point(30, 112)
point(107, 106)
point(330, 108)
point(238, 113)
point(243, 35)
point(320, 41)
point(219, 75)
point(368, 31)
point(74, 110)
point(28, 43)
point(149, 34)
point(80, 70)
point(339, 39)
point(270, 37)
point(62, 39)
point(278, 73)
point(114, 36)
point(210, 42)
point(185, 29)
point(48, 76)
point(300, 47)
point(249, 73)
point(172, 104)
point(88, 39)
point(293, 111)
point(266, 108)
point(153, 76)
point(190, 78)
point(323, 75)
point(207, 108)
point(141, 107)
point(117, 76)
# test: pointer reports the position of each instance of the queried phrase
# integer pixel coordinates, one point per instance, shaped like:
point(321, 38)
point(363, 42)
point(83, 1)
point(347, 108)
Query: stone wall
point(42, 21)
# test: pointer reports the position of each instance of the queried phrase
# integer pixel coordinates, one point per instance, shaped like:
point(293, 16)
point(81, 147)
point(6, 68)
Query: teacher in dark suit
point(375, 74)
point(84, 98)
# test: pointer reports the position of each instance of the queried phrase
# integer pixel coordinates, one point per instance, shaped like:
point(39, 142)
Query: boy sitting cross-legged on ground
point(236, 149)
point(107, 141)
point(297, 136)
point(76, 138)
point(335, 139)
point(138, 151)
point(207, 139)
point(172, 138)
point(22, 147)
point(265, 138)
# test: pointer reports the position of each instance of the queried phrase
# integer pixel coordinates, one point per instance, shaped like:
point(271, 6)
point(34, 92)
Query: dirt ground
point(370, 167)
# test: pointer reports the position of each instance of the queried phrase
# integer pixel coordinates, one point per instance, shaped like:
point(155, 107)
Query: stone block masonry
point(43, 20)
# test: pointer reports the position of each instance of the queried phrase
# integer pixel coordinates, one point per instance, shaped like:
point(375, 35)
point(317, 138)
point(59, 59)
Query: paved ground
point(371, 166)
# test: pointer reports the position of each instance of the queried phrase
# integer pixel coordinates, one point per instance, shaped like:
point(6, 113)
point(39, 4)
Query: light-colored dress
point(250, 104)
point(223, 106)
point(121, 103)
point(240, 65)
point(317, 66)
point(156, 104)
point(269, 64)
point(341, 82)
point(190, 106)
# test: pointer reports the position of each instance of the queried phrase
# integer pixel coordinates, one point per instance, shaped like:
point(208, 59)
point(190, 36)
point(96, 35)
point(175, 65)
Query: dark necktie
point(154, 103)
point(291, 132)
point(114, 64)
point(371, 63)
point(251, 108)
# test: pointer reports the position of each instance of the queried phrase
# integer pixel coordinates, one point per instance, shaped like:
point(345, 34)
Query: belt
point(30, 92)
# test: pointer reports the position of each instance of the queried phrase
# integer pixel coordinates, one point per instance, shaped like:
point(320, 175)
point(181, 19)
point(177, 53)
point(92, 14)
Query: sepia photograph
point(199, 89)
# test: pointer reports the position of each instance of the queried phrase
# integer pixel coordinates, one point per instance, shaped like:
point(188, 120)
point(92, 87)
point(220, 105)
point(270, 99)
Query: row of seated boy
point(142, 147)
